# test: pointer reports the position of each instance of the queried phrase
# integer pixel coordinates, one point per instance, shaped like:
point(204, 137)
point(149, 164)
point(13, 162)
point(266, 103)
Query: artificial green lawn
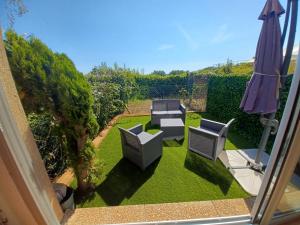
point(178, 176)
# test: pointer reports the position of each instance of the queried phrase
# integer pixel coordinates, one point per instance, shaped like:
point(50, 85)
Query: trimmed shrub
point(156, 86)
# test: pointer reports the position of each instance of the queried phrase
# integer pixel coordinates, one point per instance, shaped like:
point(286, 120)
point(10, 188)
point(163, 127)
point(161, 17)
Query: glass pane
point(290, 200)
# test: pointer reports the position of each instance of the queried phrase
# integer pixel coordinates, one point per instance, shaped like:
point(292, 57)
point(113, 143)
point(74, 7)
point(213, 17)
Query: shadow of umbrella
point(213, 172)
point(123, 181)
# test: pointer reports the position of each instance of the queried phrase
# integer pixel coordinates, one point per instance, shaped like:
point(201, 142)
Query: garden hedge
point(224, 96)
point(157, 86)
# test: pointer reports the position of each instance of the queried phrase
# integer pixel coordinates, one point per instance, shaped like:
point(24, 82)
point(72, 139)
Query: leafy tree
point(112, 88)
point(122, 76)
point(49, 82)
point(14, 8)
point(227, 68)
point(178, 72)
point(159, 72)
point(107, 102)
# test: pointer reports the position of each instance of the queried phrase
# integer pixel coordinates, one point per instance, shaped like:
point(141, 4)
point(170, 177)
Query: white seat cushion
point(175, 112)
point(160, 112)
point(144, 137)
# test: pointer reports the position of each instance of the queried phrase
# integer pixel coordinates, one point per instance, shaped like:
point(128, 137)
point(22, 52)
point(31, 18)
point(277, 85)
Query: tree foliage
point(48, 136)
point(108, 102)
point(228, 68)
point(14, 8)
point(112, 88)
point(49, 82)
point(178, 72)
point(159, 72)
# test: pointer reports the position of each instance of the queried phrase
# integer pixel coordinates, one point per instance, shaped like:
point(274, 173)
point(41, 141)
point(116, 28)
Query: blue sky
point(145, 34)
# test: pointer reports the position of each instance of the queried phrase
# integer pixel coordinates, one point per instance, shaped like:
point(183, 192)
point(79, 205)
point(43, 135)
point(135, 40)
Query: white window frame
point(260, 210)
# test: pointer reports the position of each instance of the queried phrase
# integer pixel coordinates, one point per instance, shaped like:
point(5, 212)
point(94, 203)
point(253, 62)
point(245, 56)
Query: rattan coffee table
point(172, 128)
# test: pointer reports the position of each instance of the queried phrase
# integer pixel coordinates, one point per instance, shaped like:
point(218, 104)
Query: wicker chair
point(209, 138)
point(140, 147)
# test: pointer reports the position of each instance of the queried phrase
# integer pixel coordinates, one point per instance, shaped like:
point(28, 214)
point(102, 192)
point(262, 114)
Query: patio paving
point(139, 214)
point(249, 179)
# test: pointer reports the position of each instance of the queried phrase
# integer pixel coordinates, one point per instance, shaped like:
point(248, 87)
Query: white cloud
point(222, 35)
point(188, 37)
point(165, 47)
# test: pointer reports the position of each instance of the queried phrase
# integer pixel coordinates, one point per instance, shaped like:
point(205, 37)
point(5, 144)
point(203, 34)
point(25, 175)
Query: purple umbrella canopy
point(262, 92)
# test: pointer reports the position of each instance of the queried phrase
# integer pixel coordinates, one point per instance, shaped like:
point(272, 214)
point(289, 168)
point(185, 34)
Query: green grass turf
point(178, 176)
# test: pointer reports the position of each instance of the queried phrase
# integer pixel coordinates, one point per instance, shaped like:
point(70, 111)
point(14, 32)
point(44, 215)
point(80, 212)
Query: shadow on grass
point(173, 143)
point(148, 126)
point(166, 143)
point(239, 141)
point(122, 182)
point(234, 136)
point(213, 172)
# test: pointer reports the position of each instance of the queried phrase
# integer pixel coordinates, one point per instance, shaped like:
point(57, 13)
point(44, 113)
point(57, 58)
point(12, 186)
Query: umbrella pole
point(268, 125)
point(291, 40)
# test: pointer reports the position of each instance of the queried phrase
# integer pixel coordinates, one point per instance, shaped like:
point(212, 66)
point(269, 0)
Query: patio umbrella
point(262, 92)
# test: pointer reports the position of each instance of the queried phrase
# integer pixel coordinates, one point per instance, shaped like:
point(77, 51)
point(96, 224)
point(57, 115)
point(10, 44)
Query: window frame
point(262, 210)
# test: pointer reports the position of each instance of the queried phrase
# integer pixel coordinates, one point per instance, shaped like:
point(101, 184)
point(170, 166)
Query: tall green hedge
point(156, 86)
point(224, 96)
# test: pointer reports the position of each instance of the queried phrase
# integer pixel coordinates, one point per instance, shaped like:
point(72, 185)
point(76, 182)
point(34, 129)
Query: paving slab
point(249, 179)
